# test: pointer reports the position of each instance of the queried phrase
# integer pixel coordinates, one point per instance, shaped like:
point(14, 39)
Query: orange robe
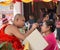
point(12, 39)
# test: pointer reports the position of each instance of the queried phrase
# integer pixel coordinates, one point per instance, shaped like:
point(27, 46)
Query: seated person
point(47, 29)
point(11, 33)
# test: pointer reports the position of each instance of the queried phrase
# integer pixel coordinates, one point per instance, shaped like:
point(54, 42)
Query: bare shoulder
point(9, 29)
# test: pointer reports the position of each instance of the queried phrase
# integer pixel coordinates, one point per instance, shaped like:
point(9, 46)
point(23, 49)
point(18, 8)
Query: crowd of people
point(48, 18)
point(46, 26)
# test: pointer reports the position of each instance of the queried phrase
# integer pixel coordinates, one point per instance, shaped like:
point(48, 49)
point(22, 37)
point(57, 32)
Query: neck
point(15, 25)
point(48, 32)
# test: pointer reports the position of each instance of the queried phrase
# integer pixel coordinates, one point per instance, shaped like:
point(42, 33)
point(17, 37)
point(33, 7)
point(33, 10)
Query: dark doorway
point(27, 10)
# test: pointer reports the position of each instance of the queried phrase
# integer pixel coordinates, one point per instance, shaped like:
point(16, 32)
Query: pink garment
point(52, 44)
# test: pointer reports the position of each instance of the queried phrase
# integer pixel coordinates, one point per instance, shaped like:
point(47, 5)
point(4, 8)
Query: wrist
point(32, 29)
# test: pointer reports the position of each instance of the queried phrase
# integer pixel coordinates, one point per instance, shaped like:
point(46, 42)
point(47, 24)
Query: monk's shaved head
point(19, 20)
point(18, 16)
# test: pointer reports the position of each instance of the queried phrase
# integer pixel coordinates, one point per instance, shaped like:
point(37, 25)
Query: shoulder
point(50, 37)
point(11, 28)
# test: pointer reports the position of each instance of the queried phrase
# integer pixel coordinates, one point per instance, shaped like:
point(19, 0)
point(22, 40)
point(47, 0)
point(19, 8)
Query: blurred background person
point(4, 20)
point(58, 28)
point(45, 17)
point(31, 20)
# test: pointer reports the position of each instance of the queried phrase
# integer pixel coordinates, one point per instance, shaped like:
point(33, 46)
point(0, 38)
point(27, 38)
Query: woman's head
point(45, 17)
point(48, 26)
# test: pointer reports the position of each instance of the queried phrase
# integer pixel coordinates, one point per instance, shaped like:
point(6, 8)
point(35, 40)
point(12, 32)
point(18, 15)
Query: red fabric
point(55, 1)
point(35, 0)
point(12, 39)
point(14, 1)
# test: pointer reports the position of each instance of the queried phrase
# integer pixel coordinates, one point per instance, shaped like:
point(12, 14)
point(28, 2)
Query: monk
point(11, 33)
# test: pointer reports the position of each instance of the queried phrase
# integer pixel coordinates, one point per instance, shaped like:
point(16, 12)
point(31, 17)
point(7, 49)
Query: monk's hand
point(35, 25)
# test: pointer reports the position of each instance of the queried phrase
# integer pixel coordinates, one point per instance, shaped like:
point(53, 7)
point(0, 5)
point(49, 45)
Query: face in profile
point(44, 28)
point(21, 22)
point(46, 18)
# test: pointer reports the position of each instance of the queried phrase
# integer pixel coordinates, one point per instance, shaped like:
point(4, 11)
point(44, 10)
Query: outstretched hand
point(35, 25)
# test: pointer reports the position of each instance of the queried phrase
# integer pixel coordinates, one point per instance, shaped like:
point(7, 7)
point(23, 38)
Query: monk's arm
point(16, 32)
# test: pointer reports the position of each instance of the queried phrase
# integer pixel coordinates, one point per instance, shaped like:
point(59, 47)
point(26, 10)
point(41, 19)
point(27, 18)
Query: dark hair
point(3, 16)
point(5, 21)
point(44, 15)
point(51, 24)
point(32, 15)
point(59, 17)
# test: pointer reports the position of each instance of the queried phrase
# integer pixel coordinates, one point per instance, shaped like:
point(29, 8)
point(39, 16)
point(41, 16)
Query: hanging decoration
point(5, 3)
point(47, 0)
point(14, 1)
point(27, 1)
point(37, 0)
point(55, 1)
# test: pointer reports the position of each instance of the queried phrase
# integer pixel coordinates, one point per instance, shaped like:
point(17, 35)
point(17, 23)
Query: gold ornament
point(5, 3)
point(47, 0)
point(26, 1)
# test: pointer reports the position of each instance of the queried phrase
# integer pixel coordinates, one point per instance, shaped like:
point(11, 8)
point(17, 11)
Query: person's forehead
point(22, 18)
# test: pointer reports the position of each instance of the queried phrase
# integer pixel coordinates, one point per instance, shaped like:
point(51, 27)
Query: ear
point(48, 27)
